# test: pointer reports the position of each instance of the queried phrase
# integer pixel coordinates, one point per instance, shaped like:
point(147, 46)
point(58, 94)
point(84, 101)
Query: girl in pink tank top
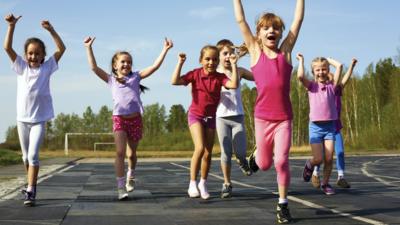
point(271, 67)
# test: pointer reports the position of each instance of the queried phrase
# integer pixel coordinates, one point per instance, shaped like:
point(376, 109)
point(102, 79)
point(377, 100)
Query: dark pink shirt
point(206, 91)
point(272, 77)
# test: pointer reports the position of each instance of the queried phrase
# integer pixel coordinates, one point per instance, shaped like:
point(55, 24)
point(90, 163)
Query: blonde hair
point(322, 60)
point(240, 50)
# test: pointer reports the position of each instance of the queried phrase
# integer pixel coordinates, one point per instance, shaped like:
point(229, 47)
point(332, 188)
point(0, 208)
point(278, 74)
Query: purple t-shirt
point(126, 97)
point(272, 77)
point(322, 101)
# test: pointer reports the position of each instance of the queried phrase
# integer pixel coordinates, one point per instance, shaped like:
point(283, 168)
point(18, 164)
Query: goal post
point(67, 135)
point(101, 143)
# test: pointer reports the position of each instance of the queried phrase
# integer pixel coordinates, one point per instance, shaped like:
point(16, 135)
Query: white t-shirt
point(34, 102)
point(230, 103)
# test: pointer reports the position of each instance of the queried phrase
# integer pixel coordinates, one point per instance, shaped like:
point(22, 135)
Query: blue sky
point(366, 29)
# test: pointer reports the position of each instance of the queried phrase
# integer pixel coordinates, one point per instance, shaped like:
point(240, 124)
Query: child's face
point(224, 55)
point(270, 36)
point(123, 65)
point(210, 61)
point(34, 55)
point(320, 71)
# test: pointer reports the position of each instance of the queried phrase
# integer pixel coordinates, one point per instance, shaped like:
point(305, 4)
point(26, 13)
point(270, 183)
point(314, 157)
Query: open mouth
point(271, 38)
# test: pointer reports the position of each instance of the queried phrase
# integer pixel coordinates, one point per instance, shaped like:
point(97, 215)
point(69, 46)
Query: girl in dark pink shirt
point(206, 87)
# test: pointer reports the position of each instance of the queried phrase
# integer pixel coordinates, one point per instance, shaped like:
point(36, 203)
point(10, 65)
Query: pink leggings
point(273, 139)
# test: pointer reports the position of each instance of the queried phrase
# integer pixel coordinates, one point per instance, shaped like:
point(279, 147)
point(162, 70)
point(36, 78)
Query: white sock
point(283, 201)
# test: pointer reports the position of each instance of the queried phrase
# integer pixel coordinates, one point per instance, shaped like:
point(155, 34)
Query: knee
point(33, 159)
point(225, 159)
point(264, 165)
point(120, 154)
point(281, 165)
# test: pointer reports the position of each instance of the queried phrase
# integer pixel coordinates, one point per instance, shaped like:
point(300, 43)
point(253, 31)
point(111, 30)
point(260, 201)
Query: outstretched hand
point(11, 19)
point(168, 43)
point(354, 61)
point(89, 41)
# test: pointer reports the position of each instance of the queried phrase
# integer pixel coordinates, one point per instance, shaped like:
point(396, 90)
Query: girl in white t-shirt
point(34, 102)
point(230, 119)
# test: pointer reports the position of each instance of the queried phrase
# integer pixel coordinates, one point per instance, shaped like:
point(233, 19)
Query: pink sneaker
point(327, 189)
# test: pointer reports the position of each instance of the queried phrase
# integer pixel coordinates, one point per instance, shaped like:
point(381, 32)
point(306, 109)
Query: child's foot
point(203, 190)
point(226, 191)
point(29, 199)
point(283, 213)
point(122, 194)
point(341, 182)
point(252, 162)
point(327, 189)
point(307, 172)
point(193, 192)
point(130, 184)
point(316, 182)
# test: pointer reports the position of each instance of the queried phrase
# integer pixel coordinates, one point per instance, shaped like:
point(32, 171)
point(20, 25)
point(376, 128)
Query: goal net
point(86, 141)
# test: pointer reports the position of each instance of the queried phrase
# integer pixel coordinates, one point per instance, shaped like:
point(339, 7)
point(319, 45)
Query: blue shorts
point(320, 131)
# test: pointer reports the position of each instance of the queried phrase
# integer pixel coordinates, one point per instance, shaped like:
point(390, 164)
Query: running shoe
point(327, 189)
point(316, 182)
point(244, 167)
point(341, 182)
point(307, 172)
point(202, 186)
point(122, 194)
point(29, 199)
point(130, 184)
point(283, 213)
point(226, 191)
point(193, 191)
point(252, 162)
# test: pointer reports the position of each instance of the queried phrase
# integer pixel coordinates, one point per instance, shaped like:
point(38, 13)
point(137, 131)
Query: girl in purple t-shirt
point(323, 116)
point(127, 121)
point(206, 89)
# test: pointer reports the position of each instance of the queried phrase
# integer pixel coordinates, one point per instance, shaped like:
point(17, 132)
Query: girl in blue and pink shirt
point(127, 120)
point(323, 116)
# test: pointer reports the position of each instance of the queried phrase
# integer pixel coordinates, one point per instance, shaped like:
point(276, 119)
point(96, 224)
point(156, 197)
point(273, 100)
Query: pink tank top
point(272, 77)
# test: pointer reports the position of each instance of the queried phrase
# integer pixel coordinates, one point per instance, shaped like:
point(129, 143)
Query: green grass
point(9, 157)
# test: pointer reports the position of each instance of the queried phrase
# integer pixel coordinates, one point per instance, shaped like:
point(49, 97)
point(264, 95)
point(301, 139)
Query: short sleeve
point(19, 65)
point(51, 64)
point(188, 78)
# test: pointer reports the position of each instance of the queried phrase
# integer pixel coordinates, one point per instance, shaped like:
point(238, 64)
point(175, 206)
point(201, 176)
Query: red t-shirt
point(206, 91)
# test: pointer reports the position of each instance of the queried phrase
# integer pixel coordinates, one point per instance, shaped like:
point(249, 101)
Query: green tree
point(176, 119)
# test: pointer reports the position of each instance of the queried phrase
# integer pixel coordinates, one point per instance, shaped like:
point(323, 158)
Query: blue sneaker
point(29, 199)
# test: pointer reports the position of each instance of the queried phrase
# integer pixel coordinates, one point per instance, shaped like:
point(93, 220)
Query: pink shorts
point(132, 126)
point(206, 121)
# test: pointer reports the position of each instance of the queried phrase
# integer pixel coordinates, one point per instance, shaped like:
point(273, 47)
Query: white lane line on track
point(296, 199)
point(379, 178)
point(15, 193)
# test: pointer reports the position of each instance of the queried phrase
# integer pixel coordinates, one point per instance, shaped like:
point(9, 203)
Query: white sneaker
point(122, 194)
point(203, 190)
point(130, 184)
point(193, 192)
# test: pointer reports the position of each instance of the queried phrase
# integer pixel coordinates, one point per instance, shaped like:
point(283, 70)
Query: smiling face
point(320, 69)
point(34, 55)
point(122, 64)
point(209, 59)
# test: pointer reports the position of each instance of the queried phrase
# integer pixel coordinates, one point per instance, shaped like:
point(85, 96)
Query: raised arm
point(233, 82)
point(300, 71)
point(245, 74)
point(338, 66)
point(10, 35)
point(151, 69)
point(249, 39)
point(57, 40)
point(92, 60)
point(349, 72)
point(291, 38)
point(176, 75)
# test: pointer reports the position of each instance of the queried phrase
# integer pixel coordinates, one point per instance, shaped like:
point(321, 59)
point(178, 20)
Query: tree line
point(370, 115)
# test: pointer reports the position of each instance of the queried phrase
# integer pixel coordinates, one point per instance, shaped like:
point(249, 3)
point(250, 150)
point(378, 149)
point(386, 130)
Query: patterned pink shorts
point(132, 126)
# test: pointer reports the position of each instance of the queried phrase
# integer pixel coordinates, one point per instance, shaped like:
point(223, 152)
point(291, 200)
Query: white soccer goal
point(66, 150)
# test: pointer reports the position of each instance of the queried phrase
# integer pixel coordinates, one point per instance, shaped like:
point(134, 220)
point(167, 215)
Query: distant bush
point(8, 157)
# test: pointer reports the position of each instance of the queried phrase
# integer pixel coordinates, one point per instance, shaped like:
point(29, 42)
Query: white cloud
point(208, 13)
